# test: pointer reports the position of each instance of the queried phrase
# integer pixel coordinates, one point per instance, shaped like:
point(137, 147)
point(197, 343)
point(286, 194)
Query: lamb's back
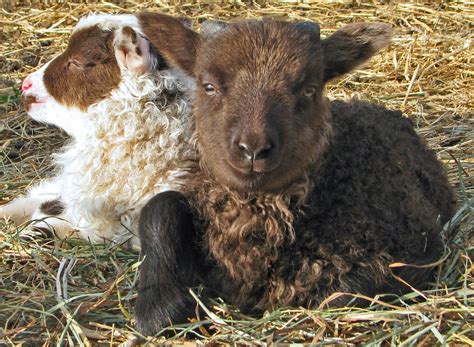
point(379, 192)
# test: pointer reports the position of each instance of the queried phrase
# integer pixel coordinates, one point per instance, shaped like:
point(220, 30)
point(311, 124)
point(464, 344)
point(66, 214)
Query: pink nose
point(26, 84)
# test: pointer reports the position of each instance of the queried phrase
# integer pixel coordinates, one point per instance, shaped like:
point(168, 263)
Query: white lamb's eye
point(209, 89)
point(309, 91)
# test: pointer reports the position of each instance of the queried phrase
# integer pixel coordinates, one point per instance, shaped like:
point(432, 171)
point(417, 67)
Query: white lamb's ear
point(132, 51)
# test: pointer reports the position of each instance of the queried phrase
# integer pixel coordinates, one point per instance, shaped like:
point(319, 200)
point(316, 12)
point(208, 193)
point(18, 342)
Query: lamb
point(124, 102)
point(296, 197)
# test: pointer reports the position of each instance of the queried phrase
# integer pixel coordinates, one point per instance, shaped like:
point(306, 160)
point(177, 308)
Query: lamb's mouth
point(30, 100)
point(248, 179)
point(253, 168)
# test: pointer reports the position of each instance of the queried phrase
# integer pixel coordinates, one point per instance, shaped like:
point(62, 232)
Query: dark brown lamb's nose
point(255, 152)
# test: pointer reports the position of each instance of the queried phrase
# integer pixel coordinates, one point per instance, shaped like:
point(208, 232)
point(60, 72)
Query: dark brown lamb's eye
point(309, 91)
point(209, 89)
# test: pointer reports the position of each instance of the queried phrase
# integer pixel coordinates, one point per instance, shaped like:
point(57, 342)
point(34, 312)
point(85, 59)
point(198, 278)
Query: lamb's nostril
point(245, 148)
point(263, 152)
point(26, 85)
point(255, 152)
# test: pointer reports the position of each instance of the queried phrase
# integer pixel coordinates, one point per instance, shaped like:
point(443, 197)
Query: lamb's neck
point(76, 124)
point(246, 230)
point(225, 206)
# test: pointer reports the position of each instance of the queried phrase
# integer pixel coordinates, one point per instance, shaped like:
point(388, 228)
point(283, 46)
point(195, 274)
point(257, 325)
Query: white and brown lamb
point(124, 103)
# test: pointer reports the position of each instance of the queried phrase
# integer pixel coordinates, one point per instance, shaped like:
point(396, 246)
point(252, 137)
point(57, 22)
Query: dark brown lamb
point(296, 197)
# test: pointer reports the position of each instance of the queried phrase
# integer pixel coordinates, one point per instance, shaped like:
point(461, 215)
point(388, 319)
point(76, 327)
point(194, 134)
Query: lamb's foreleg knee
point(171, 263)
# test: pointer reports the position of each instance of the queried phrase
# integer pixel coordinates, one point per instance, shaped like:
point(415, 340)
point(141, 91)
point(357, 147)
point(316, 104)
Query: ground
point(74, 293)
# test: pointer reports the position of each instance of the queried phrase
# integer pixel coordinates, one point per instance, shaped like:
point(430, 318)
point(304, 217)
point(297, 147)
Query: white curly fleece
point(136, 149)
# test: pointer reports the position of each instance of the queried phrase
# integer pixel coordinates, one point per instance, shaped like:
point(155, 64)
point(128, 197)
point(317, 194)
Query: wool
point(274, 249)
point(136, 149)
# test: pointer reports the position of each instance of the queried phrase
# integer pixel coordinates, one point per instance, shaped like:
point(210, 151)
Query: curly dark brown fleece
point(244, 232)
point(370, 202)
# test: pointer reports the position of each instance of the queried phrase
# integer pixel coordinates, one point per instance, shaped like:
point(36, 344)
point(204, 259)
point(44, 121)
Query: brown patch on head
point(52, 207)
point(173, 39)
point(86, 72)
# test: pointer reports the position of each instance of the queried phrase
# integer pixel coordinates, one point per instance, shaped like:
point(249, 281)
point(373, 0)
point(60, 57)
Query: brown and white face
point(259, 109)
point(103, 51)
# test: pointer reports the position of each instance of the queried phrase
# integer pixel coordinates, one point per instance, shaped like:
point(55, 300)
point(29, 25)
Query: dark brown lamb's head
point(261, 117)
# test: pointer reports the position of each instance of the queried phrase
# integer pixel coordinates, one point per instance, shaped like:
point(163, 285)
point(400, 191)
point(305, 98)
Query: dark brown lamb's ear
point(175, 41)
point(353, 44)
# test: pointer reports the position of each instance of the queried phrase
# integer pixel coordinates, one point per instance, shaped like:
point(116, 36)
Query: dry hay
point(81, 294)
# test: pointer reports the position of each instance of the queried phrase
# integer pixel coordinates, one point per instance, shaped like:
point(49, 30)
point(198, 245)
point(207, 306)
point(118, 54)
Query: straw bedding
point(75, 293)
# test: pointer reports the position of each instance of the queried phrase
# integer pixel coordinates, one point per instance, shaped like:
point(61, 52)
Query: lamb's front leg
point(171, 263)
point(19, 210)
point(22, 209)
point(45, 215)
